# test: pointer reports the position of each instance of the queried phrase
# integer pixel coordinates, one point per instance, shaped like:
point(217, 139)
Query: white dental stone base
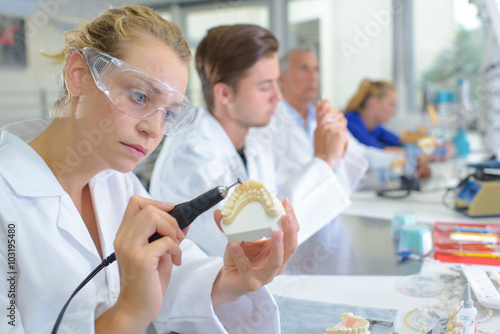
point(252, 223)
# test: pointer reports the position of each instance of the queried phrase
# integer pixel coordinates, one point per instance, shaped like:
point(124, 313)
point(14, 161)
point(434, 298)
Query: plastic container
point(415, 238)
point(468, 313)
point(400, 219)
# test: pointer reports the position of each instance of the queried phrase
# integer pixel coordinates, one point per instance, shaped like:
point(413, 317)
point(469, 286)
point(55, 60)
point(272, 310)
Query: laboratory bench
point(368, 291)
point(352, 259)
point(351, 245)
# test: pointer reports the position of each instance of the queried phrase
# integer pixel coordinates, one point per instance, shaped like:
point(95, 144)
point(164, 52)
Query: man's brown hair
point(227, 52)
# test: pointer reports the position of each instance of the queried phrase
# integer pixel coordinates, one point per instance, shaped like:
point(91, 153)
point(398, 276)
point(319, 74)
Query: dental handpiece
point(185, 213)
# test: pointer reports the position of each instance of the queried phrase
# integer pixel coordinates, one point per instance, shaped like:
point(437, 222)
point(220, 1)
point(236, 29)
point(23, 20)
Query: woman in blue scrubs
point(373, 105)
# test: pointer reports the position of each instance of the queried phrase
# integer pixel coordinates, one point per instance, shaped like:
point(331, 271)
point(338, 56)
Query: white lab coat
point(54, 253)
point(288, 136)
point(203, 157)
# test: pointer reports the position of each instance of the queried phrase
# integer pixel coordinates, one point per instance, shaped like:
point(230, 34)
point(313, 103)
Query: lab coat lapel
point(108, 194)
point(261, 163)
point(214, 132)
point(39, 181)
point(70, 221)
point(301, 141)
point(43, 183)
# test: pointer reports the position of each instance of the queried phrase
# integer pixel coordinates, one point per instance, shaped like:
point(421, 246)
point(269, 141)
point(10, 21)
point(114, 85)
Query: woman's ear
point(223, 93)
point(75, 72)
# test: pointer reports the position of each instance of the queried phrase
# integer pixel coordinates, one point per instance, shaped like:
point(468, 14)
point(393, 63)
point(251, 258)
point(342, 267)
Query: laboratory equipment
point(484, 289)
point(400, 219)
point(251, 213)
point(467, 243)
point(460, 140)
point(185, 213)
point(478, 195)
point(415, 238)
point(468, 313)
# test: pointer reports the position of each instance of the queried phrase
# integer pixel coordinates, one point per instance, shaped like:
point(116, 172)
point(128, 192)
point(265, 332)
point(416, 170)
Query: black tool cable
point(408, 184)
point(106, 262)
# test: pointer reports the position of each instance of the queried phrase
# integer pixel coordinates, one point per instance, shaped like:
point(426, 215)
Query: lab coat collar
point(209, 125)
point(43, 183)
point(18, 158)
point(40, 185)
point(219, 138)
point(310, 118)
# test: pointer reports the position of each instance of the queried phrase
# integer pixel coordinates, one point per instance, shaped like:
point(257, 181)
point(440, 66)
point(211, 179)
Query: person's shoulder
point(204, 138)
point(28, 129)
point(10, 145)
point(380, 130)
point(352, 114)
point(354, 120)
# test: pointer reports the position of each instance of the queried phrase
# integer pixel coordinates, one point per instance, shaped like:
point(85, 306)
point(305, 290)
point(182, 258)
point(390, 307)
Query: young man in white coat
point(239, 71)
point(292, 127)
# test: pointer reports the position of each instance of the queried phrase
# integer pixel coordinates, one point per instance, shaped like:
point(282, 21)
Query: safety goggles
point(137, 93)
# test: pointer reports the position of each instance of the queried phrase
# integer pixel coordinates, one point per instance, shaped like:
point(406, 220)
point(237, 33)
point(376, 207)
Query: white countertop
point(359, 242)
point(427, 208)
point(426, 204)
point(365, 291)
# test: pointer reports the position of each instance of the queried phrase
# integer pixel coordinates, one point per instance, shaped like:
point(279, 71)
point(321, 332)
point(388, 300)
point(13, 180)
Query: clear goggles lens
point(137, 93)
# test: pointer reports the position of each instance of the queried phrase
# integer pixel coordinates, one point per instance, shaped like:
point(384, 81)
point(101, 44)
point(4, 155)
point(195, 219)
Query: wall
point(21, 89)
point(356, 39)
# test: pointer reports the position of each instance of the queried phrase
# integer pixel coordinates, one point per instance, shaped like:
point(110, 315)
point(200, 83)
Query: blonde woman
point(373, 105)
point(69, 199)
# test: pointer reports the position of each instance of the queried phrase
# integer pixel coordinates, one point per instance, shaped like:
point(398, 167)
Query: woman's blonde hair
point(111, 30)
point(367, 89)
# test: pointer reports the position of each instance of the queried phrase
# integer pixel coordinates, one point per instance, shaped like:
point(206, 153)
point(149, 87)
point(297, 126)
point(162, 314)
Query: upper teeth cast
point(249, 191)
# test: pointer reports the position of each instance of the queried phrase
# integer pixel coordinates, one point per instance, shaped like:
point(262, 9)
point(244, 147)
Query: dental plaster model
point(398, 166)
point(427, 145)
point(352, 324)
point(251, 213)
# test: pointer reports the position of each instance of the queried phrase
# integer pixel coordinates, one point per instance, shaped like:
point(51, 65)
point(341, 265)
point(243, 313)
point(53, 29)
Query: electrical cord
point(444, 198)
point(106, 262)
point(407, 185)
point(449, 190)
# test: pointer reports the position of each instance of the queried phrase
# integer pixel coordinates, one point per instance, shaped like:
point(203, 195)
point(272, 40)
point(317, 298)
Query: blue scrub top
point(378, 137)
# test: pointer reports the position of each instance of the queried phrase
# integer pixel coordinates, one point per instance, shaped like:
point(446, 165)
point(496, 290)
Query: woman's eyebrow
point(265, 81)
point(150, 84)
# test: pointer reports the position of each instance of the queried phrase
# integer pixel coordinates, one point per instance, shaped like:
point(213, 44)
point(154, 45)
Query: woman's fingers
point(164, 246)
point(275, 261)
point(151, 217)
point(244, 266)
point(290, 228)
point(137, 203)
point(322, 109)
point(218, 218)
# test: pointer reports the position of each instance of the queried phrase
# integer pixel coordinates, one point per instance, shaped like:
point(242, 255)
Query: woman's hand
point(330, 140)
point(250, 265)
point(145, 268)
point(423, 169)
point(395, 149)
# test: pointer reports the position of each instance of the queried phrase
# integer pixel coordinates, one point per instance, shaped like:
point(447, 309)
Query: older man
point(292, 128)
